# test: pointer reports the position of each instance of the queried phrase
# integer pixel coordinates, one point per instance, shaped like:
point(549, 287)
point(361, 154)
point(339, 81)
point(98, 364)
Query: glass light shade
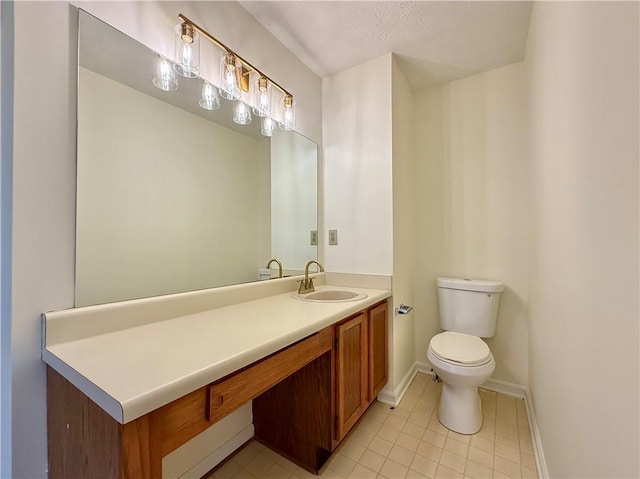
point(229, 88)
point(288, 113)
point(165, 78)
point(209, 97)
point(268, 126)
point(262, 97)
point(241, 113)
point(186, 51)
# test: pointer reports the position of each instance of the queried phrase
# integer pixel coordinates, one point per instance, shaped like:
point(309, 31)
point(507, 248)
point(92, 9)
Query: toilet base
point(460, 409)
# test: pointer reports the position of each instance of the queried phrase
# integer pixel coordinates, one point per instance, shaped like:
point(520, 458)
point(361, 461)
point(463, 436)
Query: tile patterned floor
point(409, 442)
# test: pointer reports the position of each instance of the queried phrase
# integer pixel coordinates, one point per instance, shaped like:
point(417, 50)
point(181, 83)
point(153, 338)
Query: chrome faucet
point(306, 284)
point(279, 266)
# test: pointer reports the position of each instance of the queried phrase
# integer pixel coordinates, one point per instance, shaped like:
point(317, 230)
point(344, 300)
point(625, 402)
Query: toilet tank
point(469, 306)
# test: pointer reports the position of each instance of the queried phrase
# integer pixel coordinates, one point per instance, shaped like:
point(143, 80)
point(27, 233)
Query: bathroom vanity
point(124, 393)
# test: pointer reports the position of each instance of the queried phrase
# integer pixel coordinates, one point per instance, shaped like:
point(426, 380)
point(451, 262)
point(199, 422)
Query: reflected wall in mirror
point(172, 197)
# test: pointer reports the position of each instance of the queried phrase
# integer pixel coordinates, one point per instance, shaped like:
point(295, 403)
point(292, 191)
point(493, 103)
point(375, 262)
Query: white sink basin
point(330, 296)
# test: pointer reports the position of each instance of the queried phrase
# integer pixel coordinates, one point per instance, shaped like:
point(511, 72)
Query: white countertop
point(133, 371)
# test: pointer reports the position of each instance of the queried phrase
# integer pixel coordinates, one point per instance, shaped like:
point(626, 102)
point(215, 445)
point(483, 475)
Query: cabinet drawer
point(228, 394)
point(183, 418)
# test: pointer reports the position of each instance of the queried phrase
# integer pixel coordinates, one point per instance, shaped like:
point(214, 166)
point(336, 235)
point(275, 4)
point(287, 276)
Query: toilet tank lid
point(482, 285)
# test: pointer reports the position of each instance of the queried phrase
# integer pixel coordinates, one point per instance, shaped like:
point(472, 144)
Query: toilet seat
point(460, 349)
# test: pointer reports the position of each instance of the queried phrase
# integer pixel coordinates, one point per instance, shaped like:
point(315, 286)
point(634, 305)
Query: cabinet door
point(378, 349)
point(352, 378)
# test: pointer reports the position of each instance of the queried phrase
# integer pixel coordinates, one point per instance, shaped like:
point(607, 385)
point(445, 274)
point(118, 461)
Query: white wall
point(43, 213)
point(471, 185)
point(146, 210)
point(43, 178)
point(356, 111)
point(404, 231)
point(582, 64)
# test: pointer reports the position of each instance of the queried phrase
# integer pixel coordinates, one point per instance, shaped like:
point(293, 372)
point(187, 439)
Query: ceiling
point(434, 41)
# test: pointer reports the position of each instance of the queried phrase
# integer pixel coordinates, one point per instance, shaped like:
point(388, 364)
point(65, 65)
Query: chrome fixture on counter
point(234, 83)
point(268, 266)
point(306, 284)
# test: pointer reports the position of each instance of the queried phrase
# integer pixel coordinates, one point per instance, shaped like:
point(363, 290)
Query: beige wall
point(582, 64)
point(403, 225)
point(471, 203)
point(43, 180)
point(357, 168)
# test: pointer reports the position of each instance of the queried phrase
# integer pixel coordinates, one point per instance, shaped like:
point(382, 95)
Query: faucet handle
point(309, 286)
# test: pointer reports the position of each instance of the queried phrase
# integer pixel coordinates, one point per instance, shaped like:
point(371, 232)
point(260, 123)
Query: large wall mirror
point(172, 197)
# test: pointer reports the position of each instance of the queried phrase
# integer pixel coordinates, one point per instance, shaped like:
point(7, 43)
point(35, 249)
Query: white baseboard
point(220, 454)
point(425, 368)
point(541, 463)
point(393, 398)
point(505, 387)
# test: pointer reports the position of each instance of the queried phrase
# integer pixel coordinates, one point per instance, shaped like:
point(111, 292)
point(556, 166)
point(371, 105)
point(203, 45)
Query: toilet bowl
point(463, 362)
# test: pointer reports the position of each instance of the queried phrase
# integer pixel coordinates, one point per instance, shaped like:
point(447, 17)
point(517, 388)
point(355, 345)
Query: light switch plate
point(333, 237)
point(314, 238)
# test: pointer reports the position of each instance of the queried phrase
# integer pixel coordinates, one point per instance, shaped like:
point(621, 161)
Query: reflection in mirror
point(172, 197)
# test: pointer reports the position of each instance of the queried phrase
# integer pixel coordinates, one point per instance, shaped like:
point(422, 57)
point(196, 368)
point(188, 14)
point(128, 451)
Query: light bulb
point(241, 113)
point(186, 55)
point(288, 113)
point(228, 77)
point(165, 78)
point(209, 97)
point(187, 50)
point(268, 126)
point(262, 97)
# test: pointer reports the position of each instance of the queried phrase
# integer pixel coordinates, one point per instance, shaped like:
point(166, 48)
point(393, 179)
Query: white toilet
point(463, 361)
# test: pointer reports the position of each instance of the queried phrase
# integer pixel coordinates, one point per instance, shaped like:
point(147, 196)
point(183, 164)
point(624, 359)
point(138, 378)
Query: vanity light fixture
point(262, 97)
point(234, 83)
point(187, 50)
point(229, 77)
point(288, 113)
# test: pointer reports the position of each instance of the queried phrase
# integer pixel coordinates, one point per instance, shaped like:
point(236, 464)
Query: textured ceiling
point(434, 41)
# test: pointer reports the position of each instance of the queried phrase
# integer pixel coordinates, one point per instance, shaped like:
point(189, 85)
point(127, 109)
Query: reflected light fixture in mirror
point(268, 127)
point(165, 78)
point(209, 98)
point(241, 113)
point(235, 74)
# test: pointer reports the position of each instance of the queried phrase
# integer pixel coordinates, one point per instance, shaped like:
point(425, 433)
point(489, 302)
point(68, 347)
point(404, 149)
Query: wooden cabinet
point(306, 398)
point(378, 349)
point(361, 364)
point(351, 372)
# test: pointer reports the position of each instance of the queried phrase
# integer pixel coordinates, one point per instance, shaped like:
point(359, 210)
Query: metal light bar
point(221, 45)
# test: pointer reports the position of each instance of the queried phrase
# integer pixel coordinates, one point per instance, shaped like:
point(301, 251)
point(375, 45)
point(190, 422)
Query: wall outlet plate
point(313, 238)
point(333, 237)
